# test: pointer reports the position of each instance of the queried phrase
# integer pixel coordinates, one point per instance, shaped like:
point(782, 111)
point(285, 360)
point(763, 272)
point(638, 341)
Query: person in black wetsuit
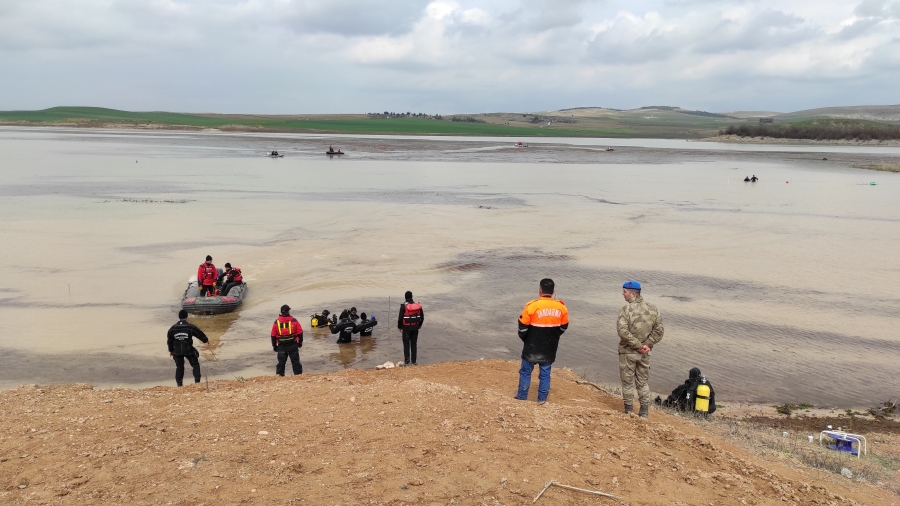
point(684, 395)
point(754, 179)
point(746, 179)
point(181, 346)
point(344, 327)
point(365, 325)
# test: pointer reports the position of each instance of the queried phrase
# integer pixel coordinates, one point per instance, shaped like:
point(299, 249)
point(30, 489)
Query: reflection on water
point(348, 354)
point(781, 290)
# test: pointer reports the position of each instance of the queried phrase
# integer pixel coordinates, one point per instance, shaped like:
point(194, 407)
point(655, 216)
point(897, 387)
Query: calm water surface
point(783, 290)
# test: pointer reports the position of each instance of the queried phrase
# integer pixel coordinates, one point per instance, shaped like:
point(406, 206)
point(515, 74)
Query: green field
point(511, 125)
point(653, 122)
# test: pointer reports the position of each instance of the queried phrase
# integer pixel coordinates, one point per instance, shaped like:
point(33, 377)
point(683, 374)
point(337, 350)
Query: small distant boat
point(275, 154)
point(521, 145)
point(332, 152)
point(610, 149)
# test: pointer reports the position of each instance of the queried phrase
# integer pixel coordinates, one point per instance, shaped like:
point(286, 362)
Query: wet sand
point(778, 291)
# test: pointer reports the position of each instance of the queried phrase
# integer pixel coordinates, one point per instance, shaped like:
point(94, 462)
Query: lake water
point(782, 290)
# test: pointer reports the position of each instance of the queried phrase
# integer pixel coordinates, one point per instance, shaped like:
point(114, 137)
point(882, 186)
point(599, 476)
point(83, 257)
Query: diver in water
point(365, 325)
point(353, 315)
point(343, 328)
point(754, 179)
point(746, 179)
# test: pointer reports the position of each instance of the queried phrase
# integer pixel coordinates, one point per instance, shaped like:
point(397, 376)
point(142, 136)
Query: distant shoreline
point(736, 139)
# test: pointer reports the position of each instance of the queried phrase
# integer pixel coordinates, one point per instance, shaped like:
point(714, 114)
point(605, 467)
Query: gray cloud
point(284, 56)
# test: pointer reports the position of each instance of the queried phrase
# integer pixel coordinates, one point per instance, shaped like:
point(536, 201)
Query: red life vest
point(235, 275)
point(286, 330)
point(412, 314)
point(207, 274)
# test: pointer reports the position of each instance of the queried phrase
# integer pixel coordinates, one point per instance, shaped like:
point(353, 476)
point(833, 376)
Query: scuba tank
point(319, 319)
point(701, 403)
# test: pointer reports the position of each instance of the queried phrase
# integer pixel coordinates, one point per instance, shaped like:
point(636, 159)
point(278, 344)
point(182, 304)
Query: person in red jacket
point(287, 339)
point(233, 278)
point(206, 277)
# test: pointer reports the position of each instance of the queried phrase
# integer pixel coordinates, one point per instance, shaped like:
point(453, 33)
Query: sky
point(447, 56)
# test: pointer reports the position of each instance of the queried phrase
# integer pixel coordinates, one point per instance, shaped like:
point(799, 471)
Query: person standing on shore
point(640, 327)
point(287, 339)
point(541, 324)
point(180, 339)
point(410, 320)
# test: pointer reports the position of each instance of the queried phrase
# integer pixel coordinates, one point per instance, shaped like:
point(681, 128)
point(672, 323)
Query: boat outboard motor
point(365, 325)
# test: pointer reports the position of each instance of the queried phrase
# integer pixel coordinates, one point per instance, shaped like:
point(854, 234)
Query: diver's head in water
point(285, 310)
point(363, 316)
point(182, 315)
point(695, 373)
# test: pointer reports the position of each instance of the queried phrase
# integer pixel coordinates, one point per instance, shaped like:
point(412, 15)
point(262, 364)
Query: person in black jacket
point(409, 321)
point(541, 325)
point(181, 346)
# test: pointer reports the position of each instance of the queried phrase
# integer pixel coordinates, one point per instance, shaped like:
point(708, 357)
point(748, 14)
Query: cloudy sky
point(447, 56)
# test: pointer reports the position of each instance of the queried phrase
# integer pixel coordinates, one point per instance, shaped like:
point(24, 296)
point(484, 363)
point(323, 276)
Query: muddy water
point(783, 290)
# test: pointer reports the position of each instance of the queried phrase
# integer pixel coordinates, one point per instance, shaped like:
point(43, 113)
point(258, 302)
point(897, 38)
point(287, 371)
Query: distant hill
point(657, 121)
point(889, 113)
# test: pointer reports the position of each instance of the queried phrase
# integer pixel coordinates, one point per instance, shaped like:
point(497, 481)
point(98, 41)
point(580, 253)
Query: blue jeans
point(525, 381)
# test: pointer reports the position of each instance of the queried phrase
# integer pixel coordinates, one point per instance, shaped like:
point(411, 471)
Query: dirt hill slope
point(443, 434)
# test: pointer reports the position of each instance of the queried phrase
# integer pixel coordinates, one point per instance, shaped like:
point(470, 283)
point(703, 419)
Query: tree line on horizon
point(820, 132)
point(387, 114)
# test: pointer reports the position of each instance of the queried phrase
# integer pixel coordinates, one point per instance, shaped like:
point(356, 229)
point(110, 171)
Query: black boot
point(644, 412)
point(628, 409)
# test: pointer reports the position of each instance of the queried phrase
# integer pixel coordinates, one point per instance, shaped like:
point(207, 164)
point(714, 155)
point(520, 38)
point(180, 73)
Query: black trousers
point(179, 367)
point(206, 290)
point(409, 345)
point(229, 286)
point(286, 351)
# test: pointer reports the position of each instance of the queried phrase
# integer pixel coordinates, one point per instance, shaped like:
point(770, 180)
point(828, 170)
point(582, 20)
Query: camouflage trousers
point(634, 370)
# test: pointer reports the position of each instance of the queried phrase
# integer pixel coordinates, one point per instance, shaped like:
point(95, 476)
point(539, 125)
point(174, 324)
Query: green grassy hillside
point(662, 123)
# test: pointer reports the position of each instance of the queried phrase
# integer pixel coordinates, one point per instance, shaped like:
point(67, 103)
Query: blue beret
point(632, 285)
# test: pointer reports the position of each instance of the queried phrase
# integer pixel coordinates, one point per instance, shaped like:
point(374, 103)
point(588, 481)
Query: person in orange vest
point(542, 323)
point(287, 339)
point(206, 277)
point(233, 278)
point(410, 320)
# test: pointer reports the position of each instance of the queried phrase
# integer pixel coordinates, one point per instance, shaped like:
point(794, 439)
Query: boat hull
point(194, 303)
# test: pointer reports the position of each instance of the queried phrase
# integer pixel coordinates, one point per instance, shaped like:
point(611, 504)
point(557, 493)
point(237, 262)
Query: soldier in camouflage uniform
point(640, 327)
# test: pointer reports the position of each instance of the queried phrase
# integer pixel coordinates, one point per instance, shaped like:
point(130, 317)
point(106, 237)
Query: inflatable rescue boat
point(194, 303)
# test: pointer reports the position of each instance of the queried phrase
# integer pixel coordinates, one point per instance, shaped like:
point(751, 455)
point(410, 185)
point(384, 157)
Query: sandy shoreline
point(438, 434)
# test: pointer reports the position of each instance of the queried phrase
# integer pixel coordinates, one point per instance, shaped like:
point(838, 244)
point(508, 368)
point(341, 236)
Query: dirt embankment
point(448, 433)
